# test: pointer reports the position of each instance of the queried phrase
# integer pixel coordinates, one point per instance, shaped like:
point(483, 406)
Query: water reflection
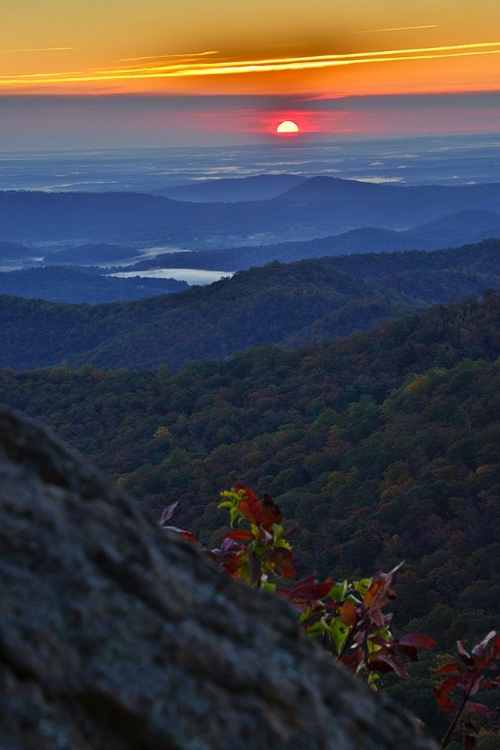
point(191, 275)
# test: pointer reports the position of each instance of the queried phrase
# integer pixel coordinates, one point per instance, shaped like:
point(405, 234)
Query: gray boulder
point(115, 636)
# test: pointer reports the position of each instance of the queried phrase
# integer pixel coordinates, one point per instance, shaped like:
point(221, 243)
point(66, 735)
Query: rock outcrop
point(116, 636)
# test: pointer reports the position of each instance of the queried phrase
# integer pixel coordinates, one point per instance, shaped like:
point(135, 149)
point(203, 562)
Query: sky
point(103, 73)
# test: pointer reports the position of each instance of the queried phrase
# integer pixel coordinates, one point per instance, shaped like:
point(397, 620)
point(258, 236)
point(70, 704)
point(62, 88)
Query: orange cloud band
point(188, 68)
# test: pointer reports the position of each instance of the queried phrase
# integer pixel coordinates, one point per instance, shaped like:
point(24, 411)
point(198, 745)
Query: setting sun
point(287, 127)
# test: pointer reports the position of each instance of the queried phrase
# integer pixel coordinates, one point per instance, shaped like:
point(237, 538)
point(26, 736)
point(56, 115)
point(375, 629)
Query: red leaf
point(450, 667)
point(232, 563)
point(259, 512)
point(443, 700)
point(348, 613)
point(374, 664)
point(241, 535)
point(418, 641)
point(491, 684)
point(379, 592)
point(273, 513)
point(479, 708)
point(188, 535)
point(308, 589)
point(283, 560)
point(250, 504)
point(450, 683)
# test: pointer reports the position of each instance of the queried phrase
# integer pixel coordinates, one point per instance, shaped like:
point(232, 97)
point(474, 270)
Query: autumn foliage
point(348, 618)
point(477, 671)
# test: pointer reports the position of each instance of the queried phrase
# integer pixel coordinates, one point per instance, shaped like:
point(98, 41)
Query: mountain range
point(463, 227)
point(233, 190)
point(316, 207)
point(312, 300)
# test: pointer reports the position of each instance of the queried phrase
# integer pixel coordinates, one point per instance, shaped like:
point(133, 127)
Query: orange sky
point(319, 51)
point(195, 47)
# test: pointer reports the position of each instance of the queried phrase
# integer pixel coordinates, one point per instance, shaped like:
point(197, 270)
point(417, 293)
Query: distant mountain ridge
point(93, 253)
point(454, 230)
point(390, 206)
point(233, 190)
point(13, 251)
point(316, 207)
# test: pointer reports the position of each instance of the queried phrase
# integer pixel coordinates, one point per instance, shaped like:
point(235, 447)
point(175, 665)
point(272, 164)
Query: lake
point(191, 275)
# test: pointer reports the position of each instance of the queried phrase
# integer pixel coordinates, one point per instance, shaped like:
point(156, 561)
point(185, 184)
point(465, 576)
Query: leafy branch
point(347, 617)
point(478, 672)
point(350, 620)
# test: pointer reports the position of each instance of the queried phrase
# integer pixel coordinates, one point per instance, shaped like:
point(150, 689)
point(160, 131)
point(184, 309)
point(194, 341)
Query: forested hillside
point(63, 284)
point(380, 447)
point(260, 306)
point(279, 304)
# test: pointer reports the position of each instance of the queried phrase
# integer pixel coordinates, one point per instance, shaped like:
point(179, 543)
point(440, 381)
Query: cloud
point(184, 67)
point(40, 49)
point(185, 55)
point(399, 28)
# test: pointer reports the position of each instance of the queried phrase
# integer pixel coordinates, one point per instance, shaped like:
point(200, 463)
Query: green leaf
point(339, 633)
point(269, 587)
point(317, 628)
point(338, 592)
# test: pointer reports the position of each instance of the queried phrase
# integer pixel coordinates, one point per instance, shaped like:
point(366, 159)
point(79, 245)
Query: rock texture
point(114, 635)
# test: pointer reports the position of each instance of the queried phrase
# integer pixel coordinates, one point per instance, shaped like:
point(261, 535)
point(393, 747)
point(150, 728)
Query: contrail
point(168, 56)
point(40, 49)
point(400, 28)
point(187, 68)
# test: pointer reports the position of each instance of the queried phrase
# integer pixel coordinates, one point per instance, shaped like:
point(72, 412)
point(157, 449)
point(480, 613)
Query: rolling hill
point(260, 306)
point(71, 284)
point(233, 190)
point(314, 300)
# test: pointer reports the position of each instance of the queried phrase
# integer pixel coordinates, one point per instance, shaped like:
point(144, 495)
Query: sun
point(287, 127)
